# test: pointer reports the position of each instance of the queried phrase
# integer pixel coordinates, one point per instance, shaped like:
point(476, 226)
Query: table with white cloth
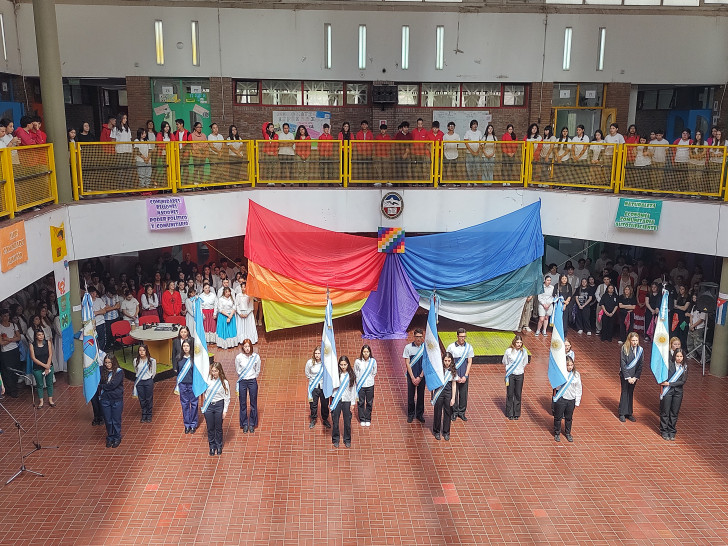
point(158, 340)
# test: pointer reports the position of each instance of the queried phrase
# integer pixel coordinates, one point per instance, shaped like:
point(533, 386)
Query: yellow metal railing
point(28, 177)
point(109, 168)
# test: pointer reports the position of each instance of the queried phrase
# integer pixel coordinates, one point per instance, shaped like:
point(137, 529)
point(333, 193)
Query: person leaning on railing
point(641, 166)
point(217, 153)
point(547, 151)
point(596, 169)
point(681, 159)
point(326, 155)
point(715, 161)
point(509, 150)
point(580, 153)
point(659, 158)
point(303, 153)
point(696, 164)
point(562, 151)
point(237, 171)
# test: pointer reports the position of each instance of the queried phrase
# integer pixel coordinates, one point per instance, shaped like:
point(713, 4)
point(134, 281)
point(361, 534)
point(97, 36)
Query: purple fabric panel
point(389, 309)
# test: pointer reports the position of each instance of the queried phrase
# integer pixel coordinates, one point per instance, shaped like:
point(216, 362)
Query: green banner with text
point(638, 214)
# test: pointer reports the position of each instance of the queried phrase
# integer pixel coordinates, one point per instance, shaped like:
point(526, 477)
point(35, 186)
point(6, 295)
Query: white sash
point(562, 390)
point(464, 356)
point(314, 382)
point(448, 378)
point(251, 362)
point(674, 378)
point(365, 375)
point(182, 374)
point(208, 398)
point(138, 378)
point(416, 358)
point(638, 354)
point(337, 397)
point(513, 366)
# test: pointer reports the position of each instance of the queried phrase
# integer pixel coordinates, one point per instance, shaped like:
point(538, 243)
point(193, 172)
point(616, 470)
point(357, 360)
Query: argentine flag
point(201, 358)
point(328, 353)
point(557, 358)
point(432, 359)
point(92, 355)
point(659, 362)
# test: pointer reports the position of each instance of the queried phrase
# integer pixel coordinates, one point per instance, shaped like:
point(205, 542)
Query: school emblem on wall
point(392, 205)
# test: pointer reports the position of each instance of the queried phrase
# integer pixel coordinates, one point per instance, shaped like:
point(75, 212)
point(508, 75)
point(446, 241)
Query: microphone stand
point(20, 448)
point(29, 378)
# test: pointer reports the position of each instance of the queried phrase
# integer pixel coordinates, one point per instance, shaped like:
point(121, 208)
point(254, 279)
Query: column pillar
point(719, 357)
point(51, 84)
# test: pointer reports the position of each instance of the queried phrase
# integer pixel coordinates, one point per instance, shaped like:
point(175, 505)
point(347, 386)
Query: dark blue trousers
point(189, 405)
point(248, 386)
point(145, 390)
point(112, 416)
point(213, 418)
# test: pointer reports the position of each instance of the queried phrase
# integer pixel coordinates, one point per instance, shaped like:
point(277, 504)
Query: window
point(567, 49)
point(481, 95)
point(655, 99)
point(246, 92)
point(317, 93)
point(514, 95)
point(408, 94)
point(281, 92)
point(159, 41)
point(405, 47)
point(440, 47)
point(357, 94)
point(362, 47)
point(565, 94)
point(327, 45)
point(591, 95)
point(445, 95)
point(195, 43)
point(600, 48)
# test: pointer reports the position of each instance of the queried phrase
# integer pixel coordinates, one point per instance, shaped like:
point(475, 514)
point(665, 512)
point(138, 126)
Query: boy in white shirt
point(473, 159)
point(450, 152)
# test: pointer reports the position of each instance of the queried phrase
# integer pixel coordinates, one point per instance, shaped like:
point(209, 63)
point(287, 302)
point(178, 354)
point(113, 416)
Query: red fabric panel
point(310, 254)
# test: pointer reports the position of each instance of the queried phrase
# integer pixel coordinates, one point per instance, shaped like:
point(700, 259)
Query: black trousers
point(145, 390)
point(669, 410)
point(625, 400)
point(623, 330)
point(96, 405)
point(443, 411)
point(563, 409)
point(366, 399)
point(418, 409)
point(317, 395)
point(583, 319)
point(607, 327)
point(345, 408)
point(9, 361)
point(213, 418)
point(513, 395)
point(461, 398)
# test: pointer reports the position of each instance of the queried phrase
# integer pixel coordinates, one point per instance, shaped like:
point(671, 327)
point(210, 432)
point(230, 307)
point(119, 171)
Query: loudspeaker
point(384, 94)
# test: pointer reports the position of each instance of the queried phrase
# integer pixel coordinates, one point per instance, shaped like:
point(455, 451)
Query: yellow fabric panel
point(269, 285)
point(289, 315)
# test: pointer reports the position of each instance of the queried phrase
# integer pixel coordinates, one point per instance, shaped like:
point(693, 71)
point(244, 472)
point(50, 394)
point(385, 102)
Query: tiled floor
point(496, 481)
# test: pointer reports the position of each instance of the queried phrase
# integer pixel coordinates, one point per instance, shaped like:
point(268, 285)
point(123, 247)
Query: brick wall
point(139, 97)
point(649, 120)
point(540, 103)
point(618, 97)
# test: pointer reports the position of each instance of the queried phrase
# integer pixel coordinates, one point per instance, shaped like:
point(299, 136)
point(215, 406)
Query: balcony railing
point(28, 178)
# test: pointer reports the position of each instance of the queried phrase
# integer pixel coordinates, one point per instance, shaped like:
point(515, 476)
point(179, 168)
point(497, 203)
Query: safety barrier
point(28, 176)
point(109, 168)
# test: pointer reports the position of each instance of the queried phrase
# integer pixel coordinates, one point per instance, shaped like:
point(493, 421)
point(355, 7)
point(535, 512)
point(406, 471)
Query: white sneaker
point(527, 329)
point(363, 424)
point(368, 423)
point(588, 333)
point(580, 332)
point(619, 342)
point(545, 333)
point(377, 184)
point(536, 334)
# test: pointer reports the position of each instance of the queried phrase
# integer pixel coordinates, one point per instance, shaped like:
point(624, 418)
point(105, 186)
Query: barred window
point(407, 94)
point(514, 95)
point(481, 95)
point(246, 92)
point(282, 92)
point(319, 93)
point(357, 93)
point(445, 95)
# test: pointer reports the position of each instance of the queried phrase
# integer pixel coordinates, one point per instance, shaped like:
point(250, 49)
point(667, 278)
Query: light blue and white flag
point(201, 358)
point(92, 355)
point(328, 353)
point(557, 357)
point(659, 361)
point(432, 359)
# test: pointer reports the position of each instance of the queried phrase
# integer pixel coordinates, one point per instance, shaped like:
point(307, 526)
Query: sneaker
point(312, 423)
point(569, 438)
point(347, 444)
point(327, 424)
point(376, 185)
point(580, 332)
point(527, 329)
point(437, 436)
point(368, 423)
point(619, 342)
point(545, 333)
point(631, 418)
point(446, 436)
point(363, 423)
point(536, 334)
point(588, 333)
point(557, 437)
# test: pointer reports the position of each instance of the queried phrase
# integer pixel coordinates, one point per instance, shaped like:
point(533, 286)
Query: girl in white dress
point(245, 319)
point(208, 302)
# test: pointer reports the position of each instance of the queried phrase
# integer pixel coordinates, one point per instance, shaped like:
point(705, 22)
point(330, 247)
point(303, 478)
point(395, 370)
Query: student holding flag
point(445, 399)
point(671, 394)
point(146, 368)
point(630, 370)
point(215, 406)
point(365, 368)
point(515, 360)
point(183, 368)
point(463, 354)
point(343, 401)
point(413, 355)
point(566, 398)
point(247, 366)
point(111, 396)
point(315, 374)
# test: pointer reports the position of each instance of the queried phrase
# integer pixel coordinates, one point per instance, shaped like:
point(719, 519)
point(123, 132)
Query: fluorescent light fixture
point(600, 49)
point(405, 47)
point(195, 43)
point(362, 47)
point(567, 49)
point(440, 47)
point(159, 41)
point(2, 31)
point(327, 45)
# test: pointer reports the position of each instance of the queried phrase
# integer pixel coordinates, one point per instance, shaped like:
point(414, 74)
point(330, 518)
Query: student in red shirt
point(382, 153)
point(632, 138)
point(326, 155)
point(25, 131)
point(510, 159)
point(171, 302)
point(40, 136)
point(363, 152)
point(303, 153)
point(419, 150)
point(269, 159)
